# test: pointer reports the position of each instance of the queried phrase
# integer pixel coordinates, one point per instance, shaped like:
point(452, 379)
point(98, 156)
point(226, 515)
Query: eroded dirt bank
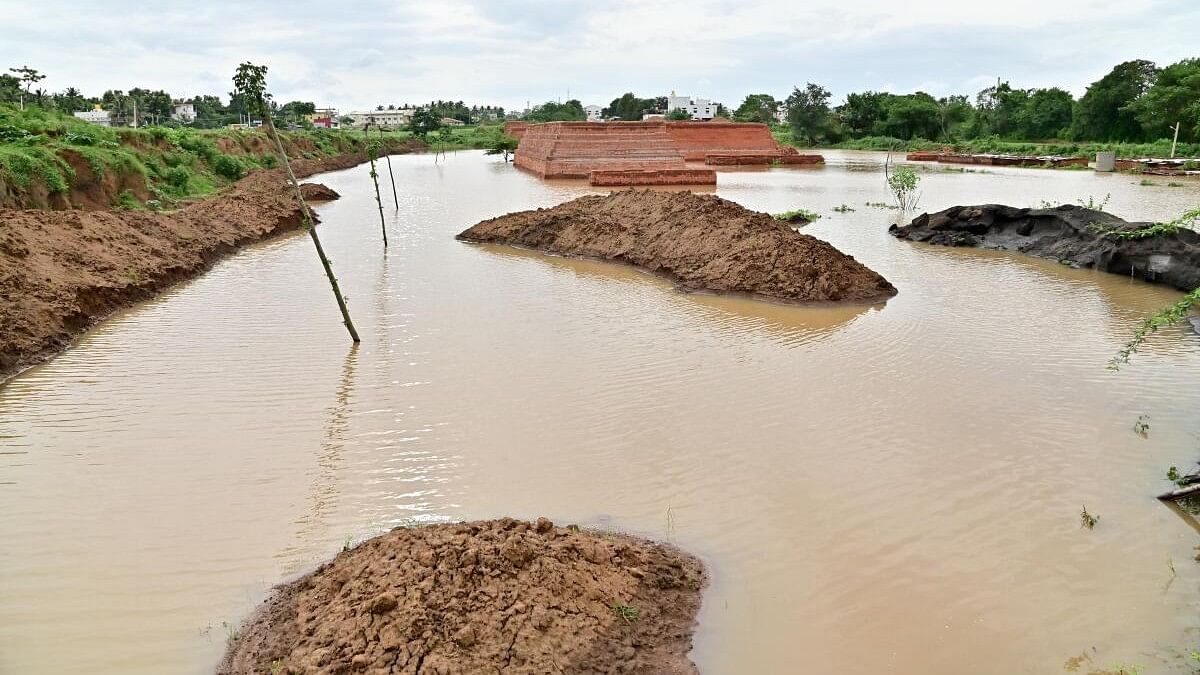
point(481, 597)
point(1071, 234)
point(62, 271)
point(702, 242)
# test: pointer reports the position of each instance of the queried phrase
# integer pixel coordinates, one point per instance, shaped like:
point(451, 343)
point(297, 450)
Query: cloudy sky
point(507, 52)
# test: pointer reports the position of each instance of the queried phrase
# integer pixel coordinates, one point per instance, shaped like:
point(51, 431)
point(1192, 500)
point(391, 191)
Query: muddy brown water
point(877, 489)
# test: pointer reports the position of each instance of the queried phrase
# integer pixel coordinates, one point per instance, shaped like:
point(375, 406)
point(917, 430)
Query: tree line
point(1137, 101)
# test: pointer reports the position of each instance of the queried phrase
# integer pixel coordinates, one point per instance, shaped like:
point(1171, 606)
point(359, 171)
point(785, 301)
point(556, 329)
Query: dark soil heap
point(502, 596)
point(702, 242)
point(1071, 234)
point(62, 271)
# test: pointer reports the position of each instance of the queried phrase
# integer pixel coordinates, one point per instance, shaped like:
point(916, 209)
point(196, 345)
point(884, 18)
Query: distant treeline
point(1137, 102)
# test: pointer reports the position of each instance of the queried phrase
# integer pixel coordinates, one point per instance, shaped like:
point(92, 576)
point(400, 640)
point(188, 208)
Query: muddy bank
point(1071, 234)
point(701, 242)
point(62, 271)
point(481, 597)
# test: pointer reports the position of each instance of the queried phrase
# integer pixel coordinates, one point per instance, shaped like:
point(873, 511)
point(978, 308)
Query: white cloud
point(378, 51)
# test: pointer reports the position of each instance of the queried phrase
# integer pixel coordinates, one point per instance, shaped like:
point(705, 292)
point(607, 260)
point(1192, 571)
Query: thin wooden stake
point(308, 225)
point(391, 175)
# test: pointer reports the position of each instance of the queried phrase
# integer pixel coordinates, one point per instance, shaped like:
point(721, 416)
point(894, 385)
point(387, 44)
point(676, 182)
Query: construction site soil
point(701, 242)
point(481, 597)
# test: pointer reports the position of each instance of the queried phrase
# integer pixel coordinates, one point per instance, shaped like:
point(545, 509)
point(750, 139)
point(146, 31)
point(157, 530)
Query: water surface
point(876, 489)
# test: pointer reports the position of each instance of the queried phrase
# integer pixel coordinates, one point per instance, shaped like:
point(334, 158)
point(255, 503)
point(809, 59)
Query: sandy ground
point(701, 242)
point(499, 596)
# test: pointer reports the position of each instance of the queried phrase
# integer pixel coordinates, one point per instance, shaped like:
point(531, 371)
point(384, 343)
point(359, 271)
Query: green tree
point(630, 108)
point(26, 77)
point(679, 115)
point(808, 112)
point(1046, 114)
point(757, 108)
point(424, 122)
point(910, 116)
point(1174, 97)
point(250, 83)
point(552, 111)
point(1104, 113)
point(862, 112)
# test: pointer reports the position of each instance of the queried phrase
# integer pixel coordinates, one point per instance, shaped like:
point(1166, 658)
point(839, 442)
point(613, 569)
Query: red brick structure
point(575, 149)
point(700, 140)
point(1054, 161)
point(627, 150)
point(654, 177)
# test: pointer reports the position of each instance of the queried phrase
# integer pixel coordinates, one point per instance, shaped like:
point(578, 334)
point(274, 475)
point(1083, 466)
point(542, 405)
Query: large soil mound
point(482, 597)
point(1071, 234)
point(62, 271)
point(702, 242)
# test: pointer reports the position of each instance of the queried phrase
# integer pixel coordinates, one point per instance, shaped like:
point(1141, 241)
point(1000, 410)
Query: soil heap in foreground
point(701, 242)
point(481, 597)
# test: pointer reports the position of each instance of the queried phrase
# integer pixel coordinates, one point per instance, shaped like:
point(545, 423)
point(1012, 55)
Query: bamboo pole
point(391, 175)
point(375, 180)
point(307, 221)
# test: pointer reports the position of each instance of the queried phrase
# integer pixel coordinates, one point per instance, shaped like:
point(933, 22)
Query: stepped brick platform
point(631, 149)
point(576, 149)
point(516, 129)
point(700, 140)
point(656, 177)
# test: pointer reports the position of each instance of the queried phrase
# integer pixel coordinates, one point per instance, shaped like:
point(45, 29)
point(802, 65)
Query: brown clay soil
point(499, 596)
point(701, 242)
point(62, 271)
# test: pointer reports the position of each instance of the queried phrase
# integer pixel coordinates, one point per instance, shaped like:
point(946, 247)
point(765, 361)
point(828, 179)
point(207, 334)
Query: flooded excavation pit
point(885, 485)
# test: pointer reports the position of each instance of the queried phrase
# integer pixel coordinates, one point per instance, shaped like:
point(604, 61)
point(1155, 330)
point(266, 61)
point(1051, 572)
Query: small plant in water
point(1087, 520)
point(1146, 182)
point(844, 208)
point(797, 215)
point(1093, 203)
point(627, 613)
point(1142, 426)
point(903, 184)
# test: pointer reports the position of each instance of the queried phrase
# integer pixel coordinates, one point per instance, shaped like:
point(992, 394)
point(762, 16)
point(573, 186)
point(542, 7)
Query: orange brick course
point(576, 149)
point(659, 177)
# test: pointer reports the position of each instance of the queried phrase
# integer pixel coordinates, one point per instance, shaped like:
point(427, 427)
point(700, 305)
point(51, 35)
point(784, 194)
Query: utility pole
point(1175, 141)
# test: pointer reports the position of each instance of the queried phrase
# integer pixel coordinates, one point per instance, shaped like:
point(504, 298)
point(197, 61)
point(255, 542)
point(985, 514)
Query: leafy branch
point(1167, 317)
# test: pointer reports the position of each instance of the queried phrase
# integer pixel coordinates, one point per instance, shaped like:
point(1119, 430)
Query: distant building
point(451, 122)
point(653, 116)
point(96, 116)
point(594, 113)
point(697, 108)
point(324, 122)
point(781, 114)
point(386, 119)
point(183, 112)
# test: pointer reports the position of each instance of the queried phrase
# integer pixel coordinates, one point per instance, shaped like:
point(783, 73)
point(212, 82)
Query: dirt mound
point(316, 192)
point(1071, 234)
point(62, 271)
point(702, 242)
point(481, 597)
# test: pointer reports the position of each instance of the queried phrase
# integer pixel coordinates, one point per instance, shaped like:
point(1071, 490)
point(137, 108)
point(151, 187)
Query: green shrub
point(229, 167)
point(177, 177)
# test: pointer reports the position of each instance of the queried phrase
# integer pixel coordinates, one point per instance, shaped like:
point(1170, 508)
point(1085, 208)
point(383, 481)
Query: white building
point(698, 108)
point(388, 119)
point(781, 114)
point(96, 116)
point(594, 113)
point(183, 112)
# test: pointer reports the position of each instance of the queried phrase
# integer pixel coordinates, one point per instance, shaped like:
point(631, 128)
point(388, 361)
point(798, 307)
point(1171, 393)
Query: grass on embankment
point(43, 153)
point(994, 145)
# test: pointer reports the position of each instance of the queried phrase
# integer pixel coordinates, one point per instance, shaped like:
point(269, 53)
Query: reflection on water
point(891, 488)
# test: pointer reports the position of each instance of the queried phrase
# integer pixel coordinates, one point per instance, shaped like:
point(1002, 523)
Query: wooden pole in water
point(1175, 141)
point(391, 175)
point(307, 221)
point(375, 180)
point(251, 81)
